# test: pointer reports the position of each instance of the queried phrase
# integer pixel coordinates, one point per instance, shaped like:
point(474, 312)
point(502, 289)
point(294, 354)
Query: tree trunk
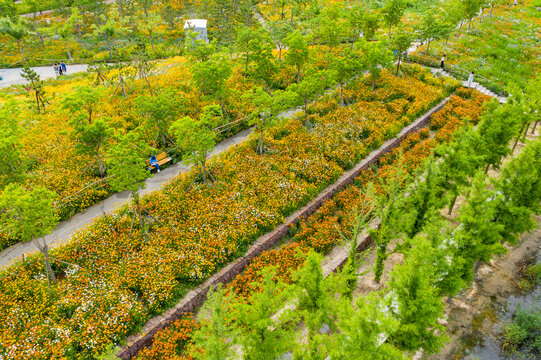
point(459, 28)
point(163, 139)
point(45, 251)
point(204, 165)
point(102, 169)
point(110, 50)
point(397, 67)
point(342, 94)
point(390, 26)
point(487, 167)
point(428, 46)
point(135, 195)
point(152, 43)
point(535, 126)
point(68, 49)
point(373, 82)
point(279, 53)
point(452, 204)
point(21, 50)
point(477, 266)
point(37, 101)
point(518, 137)
point(306, 121)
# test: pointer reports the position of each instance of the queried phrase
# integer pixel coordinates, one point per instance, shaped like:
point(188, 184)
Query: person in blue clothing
point(154, 162)
point(64, 70)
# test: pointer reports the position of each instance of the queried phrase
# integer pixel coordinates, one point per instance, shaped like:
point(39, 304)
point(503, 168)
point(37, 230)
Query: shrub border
point(196, 297)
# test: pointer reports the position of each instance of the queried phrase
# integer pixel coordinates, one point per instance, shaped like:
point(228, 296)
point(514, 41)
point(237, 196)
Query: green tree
point(211, 77)
point(313, 84)
point(266, 107)
point(496, 129)
point(149, 25)
point(314, 303)
point(196, 138)
point(415, 302)
point(431, 29)
point(392, 12)
point(92, 138)
point(478, 237)
point(363, 331)
point(279, 30)
point(65, 30)
point(297, 52)
point(36, 85)
point(12, 167)
point(31, 214)
point(159, 112)
point(400, 43)
point(263, 332)
point(127, 160)
point(109, 30)
point(256, 48)
point(329, 31)
point(425, 198)
point(460, 161)
point(376, 56)
point(83, 103)
point(15, 29)
point(8, 9)
point(215, 318)
point(197, 49)
point(345, 67)
point(519, 192)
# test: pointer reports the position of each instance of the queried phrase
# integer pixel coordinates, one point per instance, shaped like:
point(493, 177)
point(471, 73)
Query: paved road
point(67, 228)
point(13, 76)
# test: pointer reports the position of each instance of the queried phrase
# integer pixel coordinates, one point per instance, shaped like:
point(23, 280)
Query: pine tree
point(518, 190)
point(460, 161)
point(314, 304)
point(364, 331)
point(262, 331)
point(478, 236)
point(215, 332)
point(414, 301)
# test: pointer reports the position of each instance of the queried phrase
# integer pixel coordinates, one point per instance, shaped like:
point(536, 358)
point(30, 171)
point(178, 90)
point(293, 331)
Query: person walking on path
point(56, 70)
point(470, 79)
point(63, 66)
point(442, 61)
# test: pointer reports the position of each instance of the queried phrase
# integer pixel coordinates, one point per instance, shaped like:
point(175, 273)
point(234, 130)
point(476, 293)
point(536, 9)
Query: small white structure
point(199, 26)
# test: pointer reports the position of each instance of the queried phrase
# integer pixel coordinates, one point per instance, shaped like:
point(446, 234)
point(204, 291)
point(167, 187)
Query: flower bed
point(126, 277)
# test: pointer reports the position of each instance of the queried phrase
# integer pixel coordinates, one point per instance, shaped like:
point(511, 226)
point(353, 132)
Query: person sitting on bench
point(154, 162)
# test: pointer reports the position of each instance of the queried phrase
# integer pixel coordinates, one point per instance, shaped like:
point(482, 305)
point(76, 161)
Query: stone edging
point(195, 298)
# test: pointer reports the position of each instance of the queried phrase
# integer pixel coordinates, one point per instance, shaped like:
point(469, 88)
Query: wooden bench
point(162, 159)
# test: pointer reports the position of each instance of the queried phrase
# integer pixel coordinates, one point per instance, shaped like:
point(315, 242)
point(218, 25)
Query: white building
point(199, 26)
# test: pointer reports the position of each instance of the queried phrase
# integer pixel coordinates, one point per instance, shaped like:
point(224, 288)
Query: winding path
point(13, 76)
